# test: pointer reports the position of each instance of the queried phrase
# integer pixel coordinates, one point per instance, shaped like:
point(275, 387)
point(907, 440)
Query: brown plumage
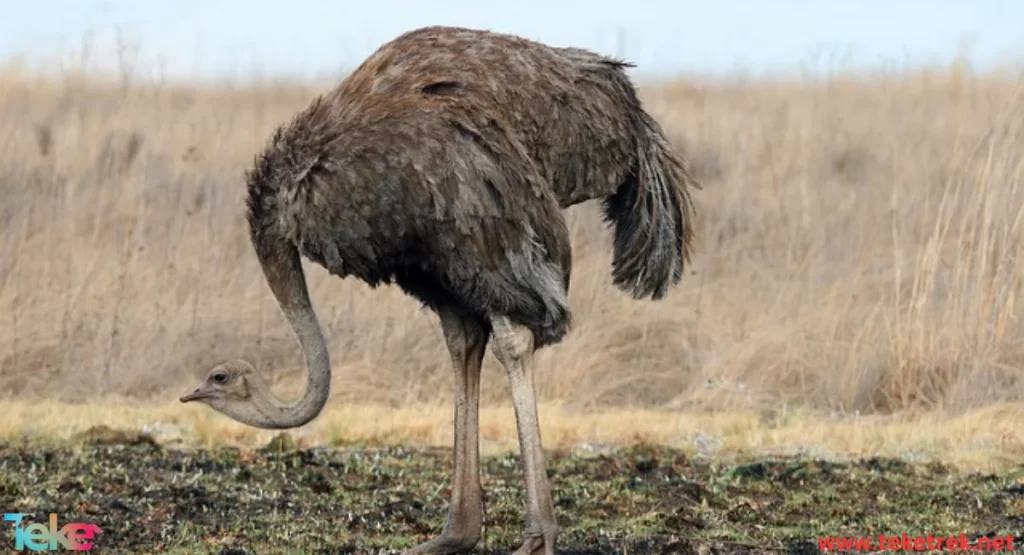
point(442, 165)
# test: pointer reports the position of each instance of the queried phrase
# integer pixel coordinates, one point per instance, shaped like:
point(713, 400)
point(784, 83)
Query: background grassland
point(856, 287)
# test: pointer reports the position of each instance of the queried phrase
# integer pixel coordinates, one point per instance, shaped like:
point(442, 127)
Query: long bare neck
point(283, 270)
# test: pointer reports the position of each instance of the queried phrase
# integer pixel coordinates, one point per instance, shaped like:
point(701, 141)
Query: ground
point(642, 499)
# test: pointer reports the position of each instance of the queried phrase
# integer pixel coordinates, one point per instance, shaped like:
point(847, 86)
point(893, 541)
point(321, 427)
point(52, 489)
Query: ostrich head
point(235, 390)
point(228, 388)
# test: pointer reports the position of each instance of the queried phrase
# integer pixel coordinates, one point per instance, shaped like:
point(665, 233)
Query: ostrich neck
point(283, 270)
point(274, 413)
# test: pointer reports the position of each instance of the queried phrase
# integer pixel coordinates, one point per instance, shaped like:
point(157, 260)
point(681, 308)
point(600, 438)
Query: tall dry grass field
point(860, 259)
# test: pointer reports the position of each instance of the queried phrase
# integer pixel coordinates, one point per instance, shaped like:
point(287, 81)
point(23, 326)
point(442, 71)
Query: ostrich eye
point(220, 377)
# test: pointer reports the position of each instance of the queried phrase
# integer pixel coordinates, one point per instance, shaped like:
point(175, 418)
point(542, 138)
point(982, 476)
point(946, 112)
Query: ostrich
point(442, 165)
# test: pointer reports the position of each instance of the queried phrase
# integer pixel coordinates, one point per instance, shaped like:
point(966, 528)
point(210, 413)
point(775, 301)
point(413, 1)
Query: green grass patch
point(642, 499)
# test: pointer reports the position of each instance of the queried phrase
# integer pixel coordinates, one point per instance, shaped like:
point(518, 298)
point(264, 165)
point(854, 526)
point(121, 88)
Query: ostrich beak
point(195, 395)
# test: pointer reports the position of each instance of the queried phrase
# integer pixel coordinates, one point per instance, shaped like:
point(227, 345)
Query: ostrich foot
point(543, 543)
point(447, 543)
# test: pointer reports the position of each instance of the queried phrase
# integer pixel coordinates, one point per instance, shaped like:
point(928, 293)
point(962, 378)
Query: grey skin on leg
point(514, 347)
point(466, 338)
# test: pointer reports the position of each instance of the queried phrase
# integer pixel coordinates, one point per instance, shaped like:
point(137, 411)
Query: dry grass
point(988, 440)
point(859, 253)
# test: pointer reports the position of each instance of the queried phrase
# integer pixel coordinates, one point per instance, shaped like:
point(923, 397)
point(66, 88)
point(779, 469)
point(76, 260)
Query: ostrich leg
point(513, 346)
point(466, 338)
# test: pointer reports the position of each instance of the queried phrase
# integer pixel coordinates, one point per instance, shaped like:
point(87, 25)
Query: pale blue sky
point(306, 37)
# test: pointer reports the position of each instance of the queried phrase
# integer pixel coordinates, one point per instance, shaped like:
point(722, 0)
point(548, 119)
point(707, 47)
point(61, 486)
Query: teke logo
point(73, 536)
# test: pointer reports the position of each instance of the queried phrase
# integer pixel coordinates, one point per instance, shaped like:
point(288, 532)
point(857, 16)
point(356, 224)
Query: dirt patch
point(148, 499)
